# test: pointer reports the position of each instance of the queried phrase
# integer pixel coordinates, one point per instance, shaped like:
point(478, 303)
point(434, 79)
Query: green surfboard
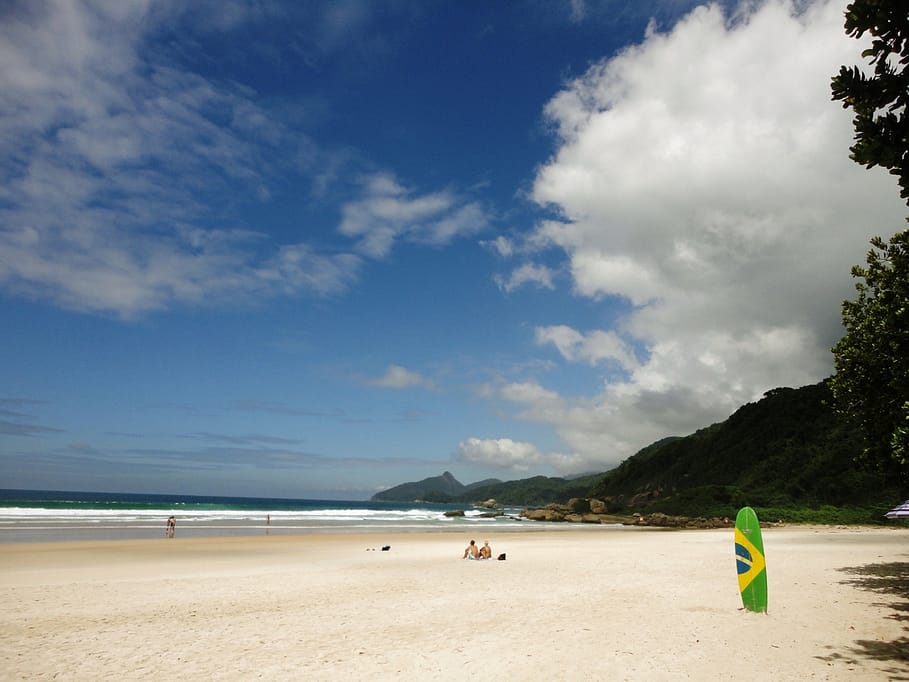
point(749, 560)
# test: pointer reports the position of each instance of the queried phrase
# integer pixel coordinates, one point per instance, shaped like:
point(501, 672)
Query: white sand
point(613, 605)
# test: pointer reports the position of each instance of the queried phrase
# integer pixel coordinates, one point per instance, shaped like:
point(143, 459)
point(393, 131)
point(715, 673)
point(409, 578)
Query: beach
point(644, 604)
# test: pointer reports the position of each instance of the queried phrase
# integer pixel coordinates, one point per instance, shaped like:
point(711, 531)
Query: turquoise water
point(41, 515)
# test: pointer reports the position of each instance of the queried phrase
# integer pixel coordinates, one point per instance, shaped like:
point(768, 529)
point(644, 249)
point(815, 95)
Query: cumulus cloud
point(401, 377)
point(387, 212)
point(593, 348)
point(499, 452)
point(703, 177)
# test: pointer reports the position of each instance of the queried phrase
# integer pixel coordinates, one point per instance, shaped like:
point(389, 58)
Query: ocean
point(42, 515)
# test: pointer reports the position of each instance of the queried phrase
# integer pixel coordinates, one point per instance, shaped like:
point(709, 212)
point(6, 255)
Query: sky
point(318, 249)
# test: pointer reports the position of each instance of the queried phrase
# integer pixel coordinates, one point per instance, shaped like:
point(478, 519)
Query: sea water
point(40, 515)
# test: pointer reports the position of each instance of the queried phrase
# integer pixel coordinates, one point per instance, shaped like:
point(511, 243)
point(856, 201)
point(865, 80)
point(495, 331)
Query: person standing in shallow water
point(171, 526)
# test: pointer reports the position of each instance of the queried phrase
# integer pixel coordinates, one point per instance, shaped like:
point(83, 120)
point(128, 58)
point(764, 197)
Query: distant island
point(790, 455)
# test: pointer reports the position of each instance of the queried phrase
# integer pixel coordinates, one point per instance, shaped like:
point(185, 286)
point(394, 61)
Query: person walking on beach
point(471, 552)
point(171, 526)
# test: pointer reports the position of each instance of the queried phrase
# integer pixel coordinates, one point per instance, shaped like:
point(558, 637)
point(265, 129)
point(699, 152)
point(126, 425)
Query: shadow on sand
point(891, 581)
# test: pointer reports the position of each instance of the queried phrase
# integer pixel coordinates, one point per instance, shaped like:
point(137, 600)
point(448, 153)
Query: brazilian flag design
point(749, 560)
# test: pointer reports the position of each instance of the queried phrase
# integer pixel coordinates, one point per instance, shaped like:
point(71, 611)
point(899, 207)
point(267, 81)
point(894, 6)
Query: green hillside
point(444, 488)
point(535, 491)
point(788, 455)
point(787, 452)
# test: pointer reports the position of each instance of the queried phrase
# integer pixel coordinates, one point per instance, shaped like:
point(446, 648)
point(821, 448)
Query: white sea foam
point(69, 516)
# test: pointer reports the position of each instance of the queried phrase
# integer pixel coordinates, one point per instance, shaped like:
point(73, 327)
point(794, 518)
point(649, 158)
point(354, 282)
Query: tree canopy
point(872, 359)
point(880, 101)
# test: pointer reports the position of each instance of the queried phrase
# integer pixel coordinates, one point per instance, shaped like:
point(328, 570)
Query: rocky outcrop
point(488, 504)
point(571, 513)
point(667, 521)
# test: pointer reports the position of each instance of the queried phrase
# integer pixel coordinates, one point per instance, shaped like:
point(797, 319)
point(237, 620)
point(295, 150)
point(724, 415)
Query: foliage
point(790, 450)
point(880, 102)
point(827, 514)
point(872, 360)
point(444, 488)
point(535, 491)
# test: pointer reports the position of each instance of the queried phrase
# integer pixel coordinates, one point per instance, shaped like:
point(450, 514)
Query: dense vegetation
point(790, 455)
point(872, 359)
point(444, 488)
point(880, 101)
point(533, 492)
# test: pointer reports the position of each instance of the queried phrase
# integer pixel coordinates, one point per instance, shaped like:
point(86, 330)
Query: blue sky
point(313, 249)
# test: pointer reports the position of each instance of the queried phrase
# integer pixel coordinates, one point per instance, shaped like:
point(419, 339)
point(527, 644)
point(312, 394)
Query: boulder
point(543, 514)
point(454, 513)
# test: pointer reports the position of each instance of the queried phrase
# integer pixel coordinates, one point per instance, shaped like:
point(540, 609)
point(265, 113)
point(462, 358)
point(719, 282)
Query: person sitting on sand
point(486, 550)
point(471, 552)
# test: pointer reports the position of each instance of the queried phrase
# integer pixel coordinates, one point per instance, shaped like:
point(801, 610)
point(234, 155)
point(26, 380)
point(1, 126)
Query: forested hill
point(790, 449)
point(442, 488)
point(787, 450)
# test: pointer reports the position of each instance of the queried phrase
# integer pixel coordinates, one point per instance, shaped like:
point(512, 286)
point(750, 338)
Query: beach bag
point(502, 556)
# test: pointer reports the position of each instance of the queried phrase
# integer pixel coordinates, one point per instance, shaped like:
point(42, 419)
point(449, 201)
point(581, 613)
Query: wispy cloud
point(21, 428)
point(400, 377)
point(124, 175)
point(283, 409)
point(14, 421)
point(387, 212)
point(112, 160)
point(528, 273)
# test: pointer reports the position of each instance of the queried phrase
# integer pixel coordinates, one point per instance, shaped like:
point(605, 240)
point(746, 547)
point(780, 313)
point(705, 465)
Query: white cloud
point(401, 377)
point(112, 162)
point(704, 176)
point(499, 452)
point(298, 268)
point(593, 348)
point(501, 245)
point(528, 273)
point(577, 9)
point(387, 212)
point(123, 177)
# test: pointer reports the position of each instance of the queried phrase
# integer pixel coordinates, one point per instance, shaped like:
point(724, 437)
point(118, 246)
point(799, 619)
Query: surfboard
point(749, 560)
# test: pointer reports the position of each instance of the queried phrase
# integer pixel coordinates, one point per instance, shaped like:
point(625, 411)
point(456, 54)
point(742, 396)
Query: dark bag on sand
point(502, 556)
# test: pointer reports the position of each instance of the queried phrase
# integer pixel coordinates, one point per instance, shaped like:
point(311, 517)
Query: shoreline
point(619, 604)
point(119, 532)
